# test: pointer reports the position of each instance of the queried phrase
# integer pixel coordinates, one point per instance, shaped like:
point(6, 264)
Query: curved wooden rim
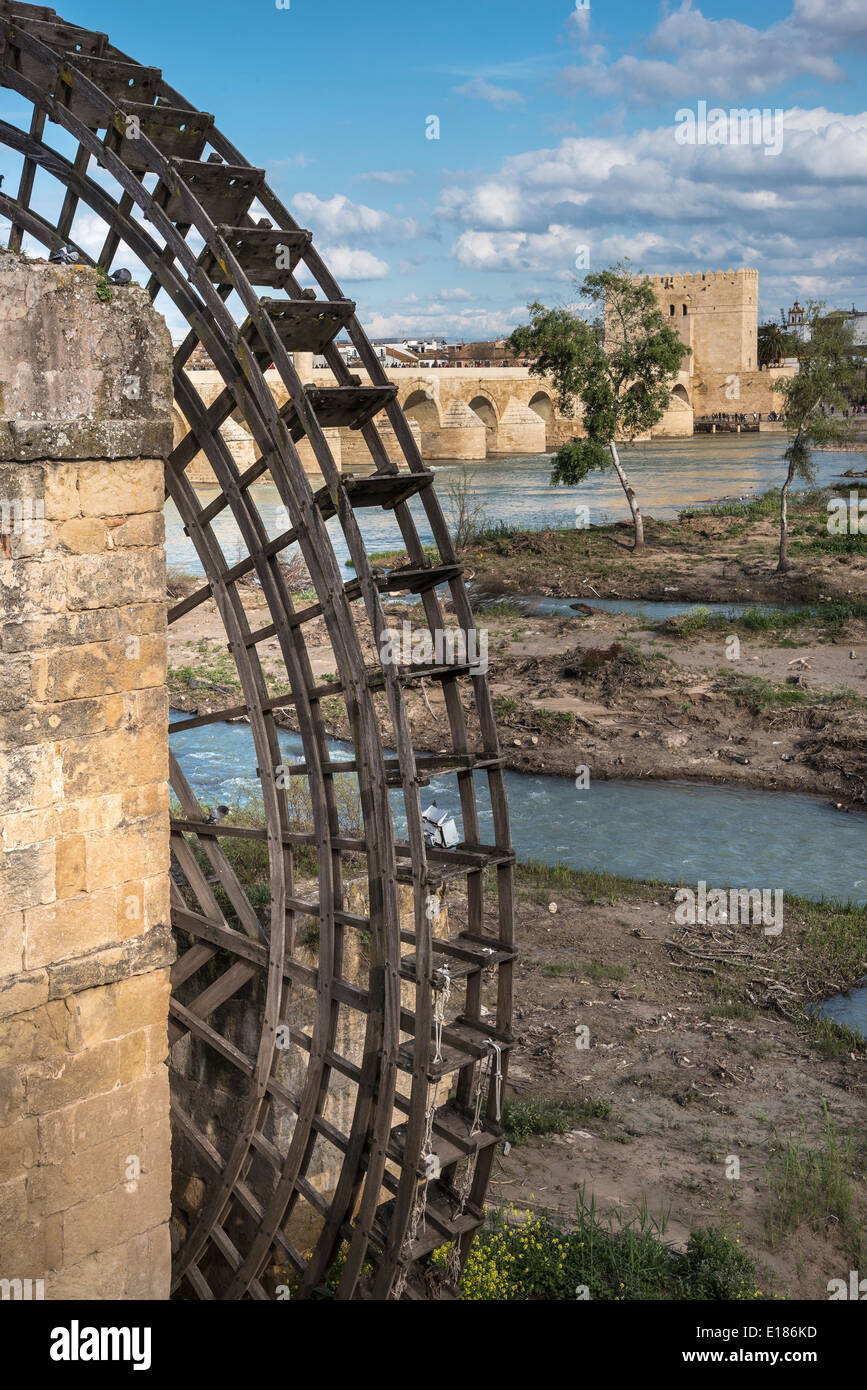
point(47, 61)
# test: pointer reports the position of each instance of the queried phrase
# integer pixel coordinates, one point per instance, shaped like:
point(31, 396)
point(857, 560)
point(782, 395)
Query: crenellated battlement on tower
point(715, 312)
point(699, 277)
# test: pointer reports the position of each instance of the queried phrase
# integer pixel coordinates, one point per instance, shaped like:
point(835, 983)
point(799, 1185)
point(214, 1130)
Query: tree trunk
point(783, 562)
point(637, 519)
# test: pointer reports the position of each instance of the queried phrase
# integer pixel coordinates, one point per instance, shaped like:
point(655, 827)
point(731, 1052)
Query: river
point(667, 476)
point(674, 831)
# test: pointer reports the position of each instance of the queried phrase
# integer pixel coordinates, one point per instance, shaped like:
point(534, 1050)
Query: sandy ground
point(688, 1088)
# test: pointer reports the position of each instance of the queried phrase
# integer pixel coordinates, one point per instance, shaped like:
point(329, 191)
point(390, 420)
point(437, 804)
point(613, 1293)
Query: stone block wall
point(716, 315)
point(85, 942)
point(740, 392)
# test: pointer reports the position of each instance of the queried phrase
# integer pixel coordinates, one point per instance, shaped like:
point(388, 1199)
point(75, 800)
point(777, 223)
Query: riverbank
point(699, 1053)
point(774, 700)
point(600, 693)
point(725, 553)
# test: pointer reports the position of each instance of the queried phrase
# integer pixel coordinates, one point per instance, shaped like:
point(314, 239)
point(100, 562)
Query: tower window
point(685, 311)
point(671, 310)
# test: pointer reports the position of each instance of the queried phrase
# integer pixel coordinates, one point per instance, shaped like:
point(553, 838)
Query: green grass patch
point(553, 723)
point(766, 504)
point(532, 1119)
point(214, 666)
point(811, 1185)
point(750, 509)
point(499, 608)
point(835, 940)
point(393, 557)
point(592, 885)
point(527, 1257)
point(492, 531)
point(824, 544)
point(828, 617)
point(832, 1039)
point(757, 694)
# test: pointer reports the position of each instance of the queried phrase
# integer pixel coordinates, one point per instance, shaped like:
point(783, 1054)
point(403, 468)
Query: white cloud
point(689, 55)
point(579, 20)
point(668, 206)
point(350, 263)
point(466, 323)
point(481, 90)
point(292, 161)
point(339, 217)
point(454, 294)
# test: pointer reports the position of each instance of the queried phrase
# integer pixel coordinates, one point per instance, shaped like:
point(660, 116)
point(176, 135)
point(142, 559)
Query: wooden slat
point(347, 407)
point(304, 325)
point(173, 130)
point(266, 255)
point(379, 490)
point(121, 82)
point(223, 191)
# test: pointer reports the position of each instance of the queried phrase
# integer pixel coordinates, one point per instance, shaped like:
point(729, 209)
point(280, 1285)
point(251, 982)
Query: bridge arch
point(423, 406)
point(543, 405)
point(542, 402)
point(484, 405)
point(155, 170)
point(680, 395)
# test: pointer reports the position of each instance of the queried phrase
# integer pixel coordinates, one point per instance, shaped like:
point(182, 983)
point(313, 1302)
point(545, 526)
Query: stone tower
point(716, 314)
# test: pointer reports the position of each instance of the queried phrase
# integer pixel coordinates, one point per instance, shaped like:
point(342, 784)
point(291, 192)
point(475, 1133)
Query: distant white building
point(858, 320)
point(797, 325)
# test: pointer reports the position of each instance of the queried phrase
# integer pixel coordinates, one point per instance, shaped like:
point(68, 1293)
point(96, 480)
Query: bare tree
point(466, 512)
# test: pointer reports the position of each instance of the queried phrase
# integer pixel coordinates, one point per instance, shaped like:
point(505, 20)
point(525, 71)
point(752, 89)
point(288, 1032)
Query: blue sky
point(557, 133)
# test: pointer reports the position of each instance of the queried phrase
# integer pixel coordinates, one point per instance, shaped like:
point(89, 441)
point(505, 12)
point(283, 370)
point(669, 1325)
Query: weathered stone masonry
point(85, 944)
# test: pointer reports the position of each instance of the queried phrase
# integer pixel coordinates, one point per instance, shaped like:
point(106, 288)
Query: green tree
point(829, 377)
point(622, 375)
point(774, 343)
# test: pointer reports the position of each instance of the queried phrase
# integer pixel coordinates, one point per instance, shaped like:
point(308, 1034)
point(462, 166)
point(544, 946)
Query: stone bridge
point(468, 414)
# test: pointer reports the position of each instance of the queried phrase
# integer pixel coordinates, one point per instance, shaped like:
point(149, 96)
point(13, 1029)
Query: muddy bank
point(625, 708)
point(602, 691)
point(778, 704)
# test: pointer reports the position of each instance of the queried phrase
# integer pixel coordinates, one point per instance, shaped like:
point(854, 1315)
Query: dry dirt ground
point(693, 1071)
point(701, 558)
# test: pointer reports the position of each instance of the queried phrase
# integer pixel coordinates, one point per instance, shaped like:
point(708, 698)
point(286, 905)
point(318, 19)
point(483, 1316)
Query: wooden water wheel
point(420, 1094)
